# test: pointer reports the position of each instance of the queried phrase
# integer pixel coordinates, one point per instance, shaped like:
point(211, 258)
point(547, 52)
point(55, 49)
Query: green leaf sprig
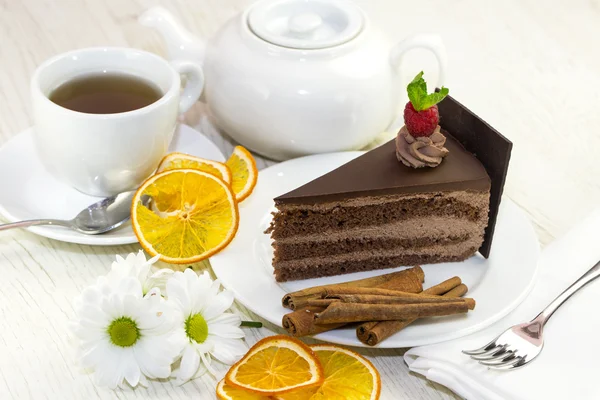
point(417, 94)
point(251, 324)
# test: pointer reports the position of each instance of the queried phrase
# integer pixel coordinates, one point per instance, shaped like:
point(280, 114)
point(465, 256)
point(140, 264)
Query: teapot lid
point(306, 24)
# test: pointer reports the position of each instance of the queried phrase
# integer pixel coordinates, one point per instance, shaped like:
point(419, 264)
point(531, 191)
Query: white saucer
point(30, 192)
point(498, 284)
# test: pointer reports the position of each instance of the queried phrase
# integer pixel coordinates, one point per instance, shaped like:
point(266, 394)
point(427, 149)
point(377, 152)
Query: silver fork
point(520, 344)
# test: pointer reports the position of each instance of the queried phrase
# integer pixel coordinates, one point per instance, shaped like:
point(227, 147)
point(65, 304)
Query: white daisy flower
point(125, 336)
point(207, 330)
point(137, 266)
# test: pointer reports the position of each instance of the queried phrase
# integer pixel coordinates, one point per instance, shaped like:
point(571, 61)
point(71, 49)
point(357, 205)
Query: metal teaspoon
point(100, 217)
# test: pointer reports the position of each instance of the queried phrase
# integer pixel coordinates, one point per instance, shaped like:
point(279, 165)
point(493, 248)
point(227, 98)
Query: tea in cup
point(104, 117)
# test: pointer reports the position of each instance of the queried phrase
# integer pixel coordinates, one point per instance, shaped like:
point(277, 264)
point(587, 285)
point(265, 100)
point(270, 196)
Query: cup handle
point(193, 85)
point(432, 43)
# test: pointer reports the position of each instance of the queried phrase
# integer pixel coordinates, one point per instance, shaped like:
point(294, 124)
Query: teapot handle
point(194, 83)
point(429, 42)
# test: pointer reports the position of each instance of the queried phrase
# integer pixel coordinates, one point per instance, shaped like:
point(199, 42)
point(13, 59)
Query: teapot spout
point(181, 44)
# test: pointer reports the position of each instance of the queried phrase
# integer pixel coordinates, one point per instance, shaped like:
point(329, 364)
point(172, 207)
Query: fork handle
point(586, 278)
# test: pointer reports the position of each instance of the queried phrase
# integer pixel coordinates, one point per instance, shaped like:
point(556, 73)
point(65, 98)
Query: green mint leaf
point(417, 94)
point(417, 91)
point(432, 99)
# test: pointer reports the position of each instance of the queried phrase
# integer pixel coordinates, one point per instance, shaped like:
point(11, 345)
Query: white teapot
point(287, 78)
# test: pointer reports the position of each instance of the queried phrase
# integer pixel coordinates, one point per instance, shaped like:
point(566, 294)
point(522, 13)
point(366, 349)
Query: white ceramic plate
point(30, 192)
point(498, 284)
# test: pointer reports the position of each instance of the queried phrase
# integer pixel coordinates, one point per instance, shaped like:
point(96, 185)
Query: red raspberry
point(421, 123)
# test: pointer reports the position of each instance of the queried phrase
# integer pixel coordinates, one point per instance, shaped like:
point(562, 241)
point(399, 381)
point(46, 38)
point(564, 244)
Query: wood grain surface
point(530, 68)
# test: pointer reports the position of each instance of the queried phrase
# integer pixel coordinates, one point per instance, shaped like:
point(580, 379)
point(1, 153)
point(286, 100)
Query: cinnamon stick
point(364, 330)
point(458, 291)
point(373, 299)
point(408, 280)
point(444, 287)
point(397, 280)
point(374, 332)
point(339, 312)
point(379, 299)
point(295, 302)
point(318, 303)
point(336, 292)
point(302, 322)
point(369, 295)
point(388, 328)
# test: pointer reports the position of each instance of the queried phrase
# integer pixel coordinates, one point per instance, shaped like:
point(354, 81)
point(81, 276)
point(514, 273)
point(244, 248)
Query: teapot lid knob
point(306, 24)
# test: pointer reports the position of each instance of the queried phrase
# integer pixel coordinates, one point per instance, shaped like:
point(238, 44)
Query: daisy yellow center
point(196, 328)
point(123, 332)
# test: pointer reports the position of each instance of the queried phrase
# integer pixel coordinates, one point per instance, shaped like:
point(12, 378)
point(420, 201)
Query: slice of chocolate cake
point(376, 212)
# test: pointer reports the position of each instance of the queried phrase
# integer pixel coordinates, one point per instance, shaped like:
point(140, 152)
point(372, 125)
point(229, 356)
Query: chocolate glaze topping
point(379, 172)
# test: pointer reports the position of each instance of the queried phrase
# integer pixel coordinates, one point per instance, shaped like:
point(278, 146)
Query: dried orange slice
point(186, 161)
point(192, 215)
point(228, 392)
point(275, 365)
point(243, 168)
point(348, 376)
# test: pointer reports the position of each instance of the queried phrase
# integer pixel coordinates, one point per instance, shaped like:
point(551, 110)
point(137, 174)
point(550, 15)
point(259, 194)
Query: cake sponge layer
point(316, 267)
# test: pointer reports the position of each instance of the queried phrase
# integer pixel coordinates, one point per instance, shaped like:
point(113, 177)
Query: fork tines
point(496, 356)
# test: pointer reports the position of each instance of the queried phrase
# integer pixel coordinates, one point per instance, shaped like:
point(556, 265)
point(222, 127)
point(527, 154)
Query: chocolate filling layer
point(296, 221)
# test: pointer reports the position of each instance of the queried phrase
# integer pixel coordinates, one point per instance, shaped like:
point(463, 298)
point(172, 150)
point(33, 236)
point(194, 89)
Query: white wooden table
point(530, 68)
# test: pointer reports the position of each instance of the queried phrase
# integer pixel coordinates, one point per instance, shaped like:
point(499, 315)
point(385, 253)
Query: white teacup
point(105, 154)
